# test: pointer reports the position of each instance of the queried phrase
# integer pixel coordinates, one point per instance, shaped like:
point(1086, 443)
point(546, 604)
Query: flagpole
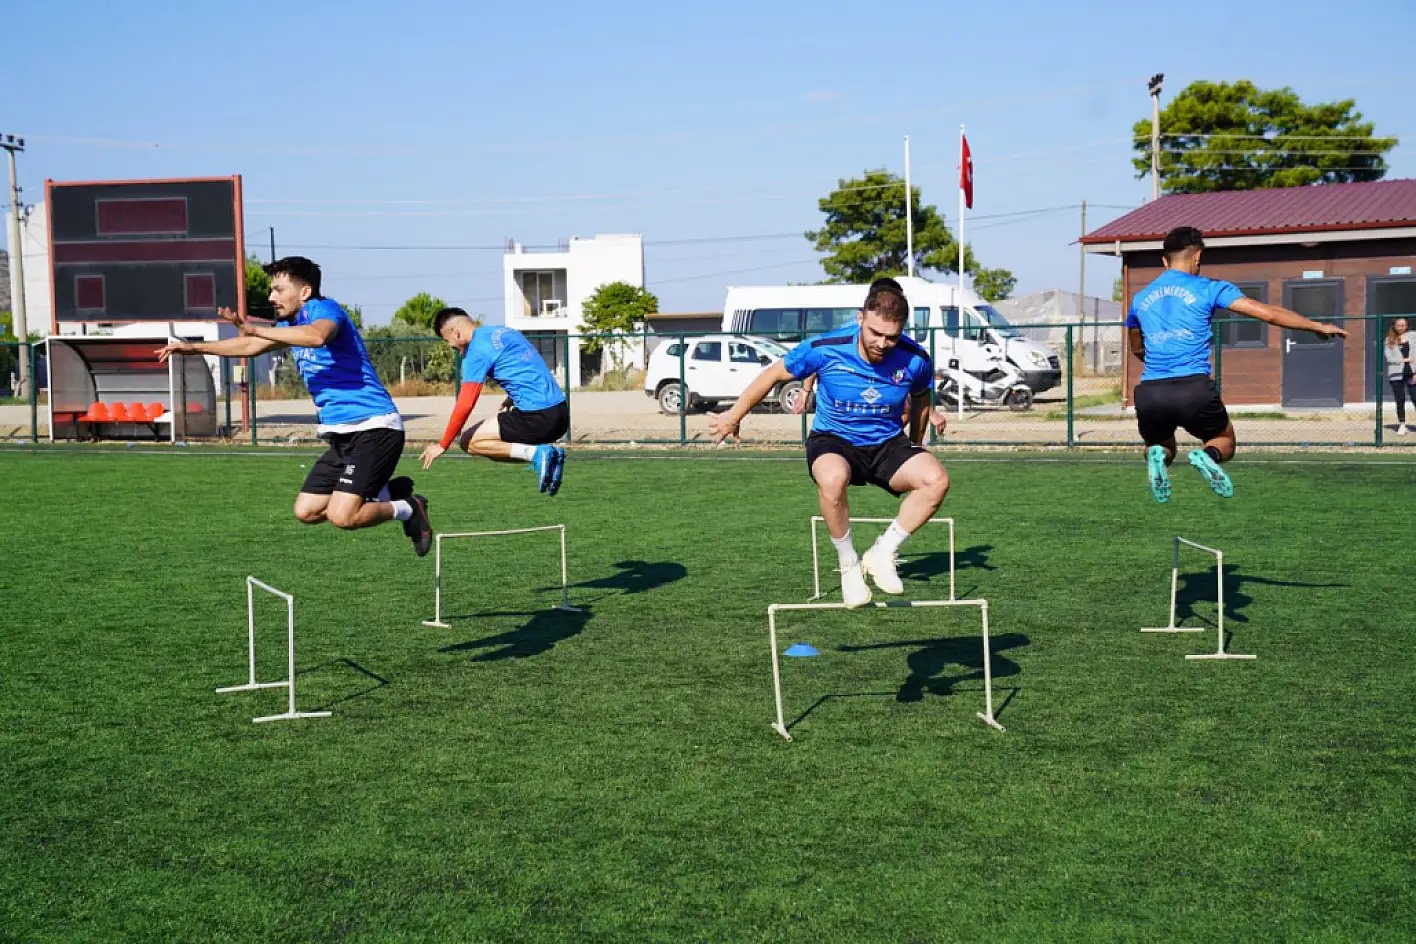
point(909, 216)
point(962, 246)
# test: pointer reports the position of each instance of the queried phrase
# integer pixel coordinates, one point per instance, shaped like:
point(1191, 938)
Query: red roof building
point(1340, 251)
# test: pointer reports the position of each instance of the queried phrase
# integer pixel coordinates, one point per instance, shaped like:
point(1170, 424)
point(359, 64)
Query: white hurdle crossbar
point(1219, 616)
point(816, 554)
point(251, 584)
point(780, 725)
point(437, 619)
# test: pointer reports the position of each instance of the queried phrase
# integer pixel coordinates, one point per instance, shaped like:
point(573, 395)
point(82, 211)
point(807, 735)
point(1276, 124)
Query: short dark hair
point(888, 304)
point(299, 269)
point(446, 315)
point(887, 283)
point(1182, 239)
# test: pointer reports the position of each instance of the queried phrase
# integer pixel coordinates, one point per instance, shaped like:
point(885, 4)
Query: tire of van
point(671, 399)
point(790, 394)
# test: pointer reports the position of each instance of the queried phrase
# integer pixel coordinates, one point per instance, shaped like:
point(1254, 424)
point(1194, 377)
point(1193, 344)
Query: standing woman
point(1398, 370)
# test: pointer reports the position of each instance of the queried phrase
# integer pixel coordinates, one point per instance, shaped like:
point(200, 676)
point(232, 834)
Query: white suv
point(716, 369)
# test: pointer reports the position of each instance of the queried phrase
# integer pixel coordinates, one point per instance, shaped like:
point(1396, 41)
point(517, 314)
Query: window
point(708, 351)
point(674, 350)
point(1243, 331)
point(951, 320)
point(201, 291)
point(740, 353)
point(539, 292)
point(919, 323)
point(821, 320)
point(88, 293)
point(775, 321)
point(158, 217)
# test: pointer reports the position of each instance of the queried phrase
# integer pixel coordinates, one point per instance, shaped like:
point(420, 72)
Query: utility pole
point(1155, 83)
point(272, 244)
point(1082, 280)
point(17, 264)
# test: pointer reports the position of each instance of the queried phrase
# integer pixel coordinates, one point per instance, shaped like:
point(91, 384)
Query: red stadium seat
point(120, 413)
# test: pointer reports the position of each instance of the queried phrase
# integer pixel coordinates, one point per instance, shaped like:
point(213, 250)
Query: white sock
point(894, 536)
point(402, 510)
point(845, 550)
point(522, 451)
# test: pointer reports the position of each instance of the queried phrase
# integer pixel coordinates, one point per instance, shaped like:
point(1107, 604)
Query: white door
point(705, 371)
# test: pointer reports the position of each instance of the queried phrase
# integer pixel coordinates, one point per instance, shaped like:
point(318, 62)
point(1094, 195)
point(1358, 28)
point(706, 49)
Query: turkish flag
point(966, 172)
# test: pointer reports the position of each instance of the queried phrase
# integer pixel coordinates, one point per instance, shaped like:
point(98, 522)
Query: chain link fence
point(1035, 385)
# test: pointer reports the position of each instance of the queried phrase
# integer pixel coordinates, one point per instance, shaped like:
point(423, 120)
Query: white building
point(34, 244)
point(544, 291)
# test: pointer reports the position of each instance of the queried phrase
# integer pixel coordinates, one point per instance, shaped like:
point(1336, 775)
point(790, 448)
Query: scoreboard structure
point(145, 250)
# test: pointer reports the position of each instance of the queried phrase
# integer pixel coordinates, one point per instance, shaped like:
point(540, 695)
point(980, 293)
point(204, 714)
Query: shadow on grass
point(634, 576)
point(1200, 588)
point(927, 664)
point(538, 634)
point(936, 563)
point(378, 681)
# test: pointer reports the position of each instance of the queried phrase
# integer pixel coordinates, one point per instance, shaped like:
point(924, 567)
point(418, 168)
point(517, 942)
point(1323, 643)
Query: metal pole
point(1070, 440)
point(683, 391)
point(1380, 371)
point(909, 215)
point(1155, 83)
point(1082, 276)
point(11, 144)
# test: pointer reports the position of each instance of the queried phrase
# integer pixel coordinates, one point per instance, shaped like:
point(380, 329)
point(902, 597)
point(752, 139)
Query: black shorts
point(534, 427)
point(1190, 403)
point(359, 463)
point(870, 465)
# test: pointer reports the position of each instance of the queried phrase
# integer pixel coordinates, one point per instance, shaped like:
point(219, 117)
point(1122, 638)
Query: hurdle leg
point(437, 619)
point(251, 684)
point(780, 725)
point(1174, 589)
point(290, 711)
point(987, 713)
point(815, 563)
point(1219, 653)
point(565, 580)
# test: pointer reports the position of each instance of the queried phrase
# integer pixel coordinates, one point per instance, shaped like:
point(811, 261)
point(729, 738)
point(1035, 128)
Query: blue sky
point(401, 145)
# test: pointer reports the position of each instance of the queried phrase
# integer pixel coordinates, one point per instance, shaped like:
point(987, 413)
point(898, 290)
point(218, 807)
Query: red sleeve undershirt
point(466, 400)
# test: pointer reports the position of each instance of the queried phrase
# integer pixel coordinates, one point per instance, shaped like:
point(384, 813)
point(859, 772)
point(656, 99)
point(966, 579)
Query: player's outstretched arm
point(726, 424)
point(467, 396)
point(315, 334)
point(1284, 318)
point(231, 347)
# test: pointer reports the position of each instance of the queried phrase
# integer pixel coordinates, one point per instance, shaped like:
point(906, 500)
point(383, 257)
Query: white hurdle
point(1219, 617)
point(437, 619)
point(251, 584)
point(816, 554)
point(780, 725)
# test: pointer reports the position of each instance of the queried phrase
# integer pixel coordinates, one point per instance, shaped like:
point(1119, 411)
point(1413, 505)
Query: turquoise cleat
point(1215, 477)
point(1159, 475)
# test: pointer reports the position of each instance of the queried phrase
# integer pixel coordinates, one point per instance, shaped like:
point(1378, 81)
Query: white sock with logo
point(894, 536)
point(523, 452)
point(845, 550)
point(402, 510)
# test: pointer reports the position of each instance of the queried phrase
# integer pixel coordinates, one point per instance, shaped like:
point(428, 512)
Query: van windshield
point(997, 322)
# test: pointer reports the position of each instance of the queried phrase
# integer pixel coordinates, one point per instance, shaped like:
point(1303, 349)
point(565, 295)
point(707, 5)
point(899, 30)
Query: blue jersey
point(1174, 314)
point(339, 375)
point(859, 401)
point(507, 357)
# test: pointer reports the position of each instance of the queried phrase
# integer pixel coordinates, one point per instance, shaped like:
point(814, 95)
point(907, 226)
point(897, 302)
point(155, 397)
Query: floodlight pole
point(1155, 83)
point(17, 264)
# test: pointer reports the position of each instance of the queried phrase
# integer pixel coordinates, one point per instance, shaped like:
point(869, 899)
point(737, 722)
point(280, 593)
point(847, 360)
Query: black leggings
point(1400, 390)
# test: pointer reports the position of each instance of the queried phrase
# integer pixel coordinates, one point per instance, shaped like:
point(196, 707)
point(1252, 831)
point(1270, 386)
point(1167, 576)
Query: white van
point(791, 312)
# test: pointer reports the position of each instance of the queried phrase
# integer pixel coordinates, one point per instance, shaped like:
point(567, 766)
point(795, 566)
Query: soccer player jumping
point(1168, 326)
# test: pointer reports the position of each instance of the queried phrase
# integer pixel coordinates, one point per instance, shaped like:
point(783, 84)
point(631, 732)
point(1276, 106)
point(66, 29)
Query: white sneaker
point(1401, 430)
point(854, 592)
point(881, 567)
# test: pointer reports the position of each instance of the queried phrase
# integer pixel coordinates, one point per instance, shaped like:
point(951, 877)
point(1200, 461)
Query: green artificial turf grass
point(533, 775)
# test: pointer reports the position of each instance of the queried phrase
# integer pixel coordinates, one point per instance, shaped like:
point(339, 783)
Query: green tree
point(420, 310)
point(994, 284)
point(356, 315)
point(258, 289)
point(865, 234)
point(616, 308)
point(1236, 136)
point(1118, 292)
